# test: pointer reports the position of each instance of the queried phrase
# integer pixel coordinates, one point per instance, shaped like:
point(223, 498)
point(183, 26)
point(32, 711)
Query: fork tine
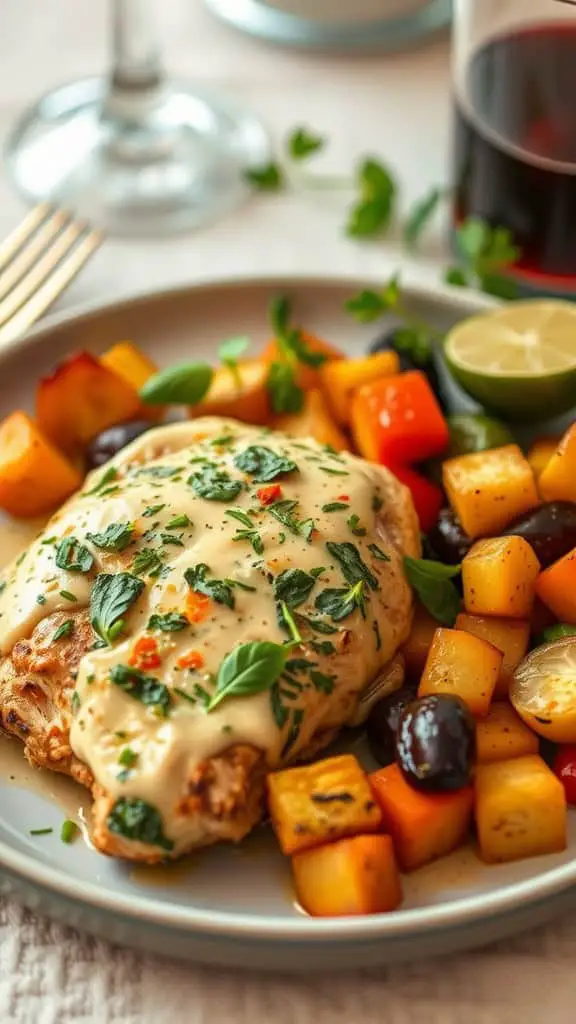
point(22, 231)
point(38, 273)
point(41, 292)
point(31, 249)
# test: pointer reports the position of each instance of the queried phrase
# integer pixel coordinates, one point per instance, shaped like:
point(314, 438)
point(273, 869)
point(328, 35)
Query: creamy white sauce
point(168, 749)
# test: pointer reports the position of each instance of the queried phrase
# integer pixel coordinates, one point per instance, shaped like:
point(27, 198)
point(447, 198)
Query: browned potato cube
point(499, 578)
point(416, 647)
point(321, 802)
point(487, 490)
point(520, 810)
point(503, 735)
point(462, 665)
point(511, 636)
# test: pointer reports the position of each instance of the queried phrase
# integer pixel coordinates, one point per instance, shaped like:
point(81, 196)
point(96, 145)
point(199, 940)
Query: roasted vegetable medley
point(489, 687)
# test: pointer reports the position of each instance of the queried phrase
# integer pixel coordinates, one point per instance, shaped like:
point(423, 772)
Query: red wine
point(515, 152)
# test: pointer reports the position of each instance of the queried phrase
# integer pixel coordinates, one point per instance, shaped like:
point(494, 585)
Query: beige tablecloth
point(398, 107)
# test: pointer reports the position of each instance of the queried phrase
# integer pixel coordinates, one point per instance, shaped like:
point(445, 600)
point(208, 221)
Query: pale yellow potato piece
point(503, 735)
point(499, 578)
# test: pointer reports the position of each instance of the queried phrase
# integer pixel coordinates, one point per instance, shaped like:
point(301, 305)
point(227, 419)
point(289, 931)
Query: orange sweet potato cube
point(503, 735)
point(34, 476)
point(134, 367)
point(540, 453)
point(511, 636)
point(462, 665)
point(556, 587)
point(416, 647)
point(352, 876)
point(520, 810)
point(558, 479)
point(499, 578)
point(487, 490)
point(81, 398)
point(423, 826)
point(320, 802)
point(340, 378)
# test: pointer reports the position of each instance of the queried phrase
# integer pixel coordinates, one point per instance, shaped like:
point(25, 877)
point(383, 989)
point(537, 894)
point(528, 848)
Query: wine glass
point(134, 152)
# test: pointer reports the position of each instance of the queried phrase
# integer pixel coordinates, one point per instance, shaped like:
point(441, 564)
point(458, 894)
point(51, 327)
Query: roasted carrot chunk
point(353, 876)
point(556, 587)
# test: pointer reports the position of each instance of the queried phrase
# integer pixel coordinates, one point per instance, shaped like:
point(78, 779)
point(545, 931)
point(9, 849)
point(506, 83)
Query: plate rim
point(455, 913)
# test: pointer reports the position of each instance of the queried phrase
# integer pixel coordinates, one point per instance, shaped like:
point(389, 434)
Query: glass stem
point(137, 73)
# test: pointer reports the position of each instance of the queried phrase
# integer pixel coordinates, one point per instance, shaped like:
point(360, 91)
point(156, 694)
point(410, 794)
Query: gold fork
point(37, 261)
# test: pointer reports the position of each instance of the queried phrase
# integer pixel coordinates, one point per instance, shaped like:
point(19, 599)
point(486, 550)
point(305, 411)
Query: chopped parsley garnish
point(41, 599)
point(340, 603)
point(67, 595)
point(322, 646)
point(202, 695)
point(318, 625)
point(147, 562)
point(112, 596)
point(159, 472)
point(238, 583)
point(335, 506)
point(64, 630)
point(108, 475)
point(178, 522)
point(196, 577)
point(146, 689)
point(322, 682)
point(169, 538)
point(116, 537)
point(75, 702)
point(135, 819)
point(353, 522)
point(250, 533)
point(294, 731)
point(353, 568)
point(263, 464)
point(170, 622)
point(378, 553)
point(293, 586)
point(376, 502)
point(182, 693)
point(283, 511)
point(40, 831)
point(69, 831)
point(287, 621)
point(72, 556)
point(128, 757)
point(333, 472)
point(152, 510)
point(215, 484)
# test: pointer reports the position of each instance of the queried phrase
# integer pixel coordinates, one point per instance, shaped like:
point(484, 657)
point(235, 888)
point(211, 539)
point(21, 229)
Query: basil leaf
point(170, 622)
point(432, 581)
point(263, 464)
point(268, 178)
point(147, 689)
point(353, 522)
point(285, 394)
point(215, 485)
point(420, 215)
point(182, 384)
point(353, 568)
point(218, 590)
point(250, 668)
point(230, 350)
point(112, 595)
point(135, 819)
point(73, 556)
point(302, 143)
point(293, 587)
point(372, 212)
point(115, 537)
point(147, 562)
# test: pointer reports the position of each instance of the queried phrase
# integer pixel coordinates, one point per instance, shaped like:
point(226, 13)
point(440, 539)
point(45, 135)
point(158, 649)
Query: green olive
point(474, 432)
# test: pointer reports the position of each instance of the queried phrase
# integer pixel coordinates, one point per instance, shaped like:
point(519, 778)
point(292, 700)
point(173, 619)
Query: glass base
point(137, 164)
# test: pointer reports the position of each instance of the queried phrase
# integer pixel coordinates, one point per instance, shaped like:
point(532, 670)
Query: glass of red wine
point(514, 76)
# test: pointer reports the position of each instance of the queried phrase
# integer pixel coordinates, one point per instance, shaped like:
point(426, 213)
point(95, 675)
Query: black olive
point(550, 529)
point(382, 724)
point(436, 743)
point(387, 342)
point(112, 440)
point(447, 541)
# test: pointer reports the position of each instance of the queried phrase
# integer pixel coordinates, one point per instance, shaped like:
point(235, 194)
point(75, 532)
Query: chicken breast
point(129, 614)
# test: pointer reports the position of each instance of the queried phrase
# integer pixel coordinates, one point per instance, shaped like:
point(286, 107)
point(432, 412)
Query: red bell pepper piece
point(565, 768)
point(428, 498)
point(397, 420)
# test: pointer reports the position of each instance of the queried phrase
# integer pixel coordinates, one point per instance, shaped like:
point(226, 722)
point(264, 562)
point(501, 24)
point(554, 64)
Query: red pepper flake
point(145, 654)
point(192, 659)
point(343, 497)
point(268, 495)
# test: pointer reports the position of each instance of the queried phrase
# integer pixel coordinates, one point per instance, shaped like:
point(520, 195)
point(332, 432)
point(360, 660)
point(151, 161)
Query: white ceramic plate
point(235, 906)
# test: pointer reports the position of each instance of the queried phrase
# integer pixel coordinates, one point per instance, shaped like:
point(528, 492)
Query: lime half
point(519, 360)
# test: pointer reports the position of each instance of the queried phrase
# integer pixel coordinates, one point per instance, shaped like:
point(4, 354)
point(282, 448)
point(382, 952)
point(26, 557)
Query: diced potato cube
point(353, 876)
point(135, 368)
point(503, 735)
point(419, 642)
point(320, 802)
point(314, 420)
point(558, 479)
point(511, 636)
point(423, 826)
point(487, 490)
point(462, 665)
point(499, 578)
point(520, 810)
point(556, 587)
point(540, 453)
point(340, 377)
